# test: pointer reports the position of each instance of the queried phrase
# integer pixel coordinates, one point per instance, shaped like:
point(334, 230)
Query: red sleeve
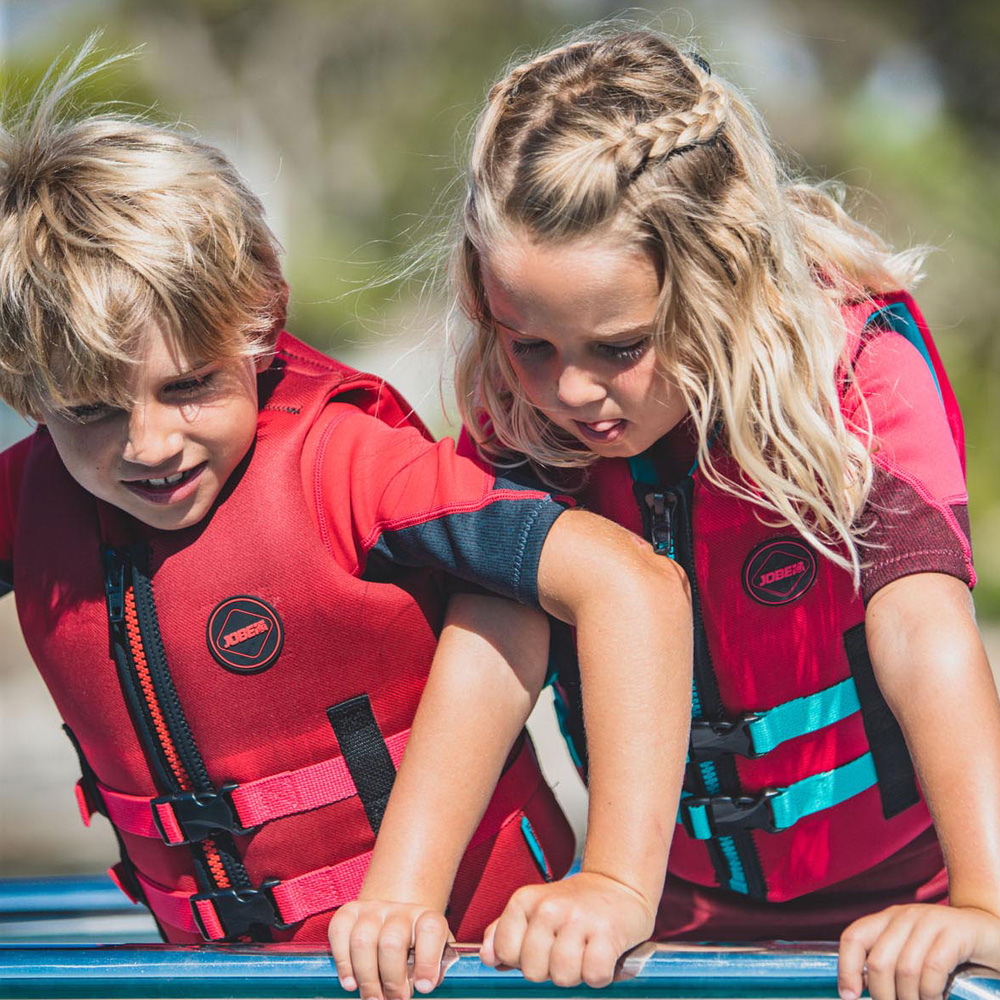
point(12, 463)
point(386, 497)
point(918, 507)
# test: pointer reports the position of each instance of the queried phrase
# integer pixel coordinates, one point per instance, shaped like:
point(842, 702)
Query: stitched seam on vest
point(944, 509)
point(522, 544)
point(324, 527)
point(435, 513)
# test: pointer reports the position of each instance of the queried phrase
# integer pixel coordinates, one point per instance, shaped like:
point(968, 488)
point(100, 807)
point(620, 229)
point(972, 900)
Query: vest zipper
point(137, 648)
point(668, 521)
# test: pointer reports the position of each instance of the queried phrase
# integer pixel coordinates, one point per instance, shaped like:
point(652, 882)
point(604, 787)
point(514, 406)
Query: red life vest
point(798, 776)
point(244, 734)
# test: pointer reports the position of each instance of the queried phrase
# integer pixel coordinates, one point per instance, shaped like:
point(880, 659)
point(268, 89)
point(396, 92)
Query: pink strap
point(83, 803)
point(327, 888)
point(308, 788)
point(295, 898)
point(256, 802)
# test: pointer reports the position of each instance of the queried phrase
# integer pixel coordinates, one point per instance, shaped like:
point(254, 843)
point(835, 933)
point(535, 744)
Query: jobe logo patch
point(778, 571)
point(245, 634)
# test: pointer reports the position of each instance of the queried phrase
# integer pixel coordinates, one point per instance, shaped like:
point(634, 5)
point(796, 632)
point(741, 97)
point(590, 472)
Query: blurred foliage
point(350, 116)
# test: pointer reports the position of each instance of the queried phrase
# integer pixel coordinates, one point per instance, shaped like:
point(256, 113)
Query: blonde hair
point(110, 222)
point(629, 136)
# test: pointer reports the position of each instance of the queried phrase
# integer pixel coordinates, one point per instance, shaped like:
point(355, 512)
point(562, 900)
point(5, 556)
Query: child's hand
point(569, 931)
point(912, 950)
point(371, 942)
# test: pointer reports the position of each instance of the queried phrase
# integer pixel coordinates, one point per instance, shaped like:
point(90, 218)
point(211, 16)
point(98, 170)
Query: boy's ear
point(280, 315)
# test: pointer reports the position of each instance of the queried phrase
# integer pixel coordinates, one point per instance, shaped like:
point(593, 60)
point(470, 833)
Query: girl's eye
point(526, 348)
point(625, 352)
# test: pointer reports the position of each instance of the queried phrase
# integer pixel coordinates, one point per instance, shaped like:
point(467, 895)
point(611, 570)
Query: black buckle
point(712, 740)
point(661, 521)
point(727, 814)
point(239, 910)
point(198, 814)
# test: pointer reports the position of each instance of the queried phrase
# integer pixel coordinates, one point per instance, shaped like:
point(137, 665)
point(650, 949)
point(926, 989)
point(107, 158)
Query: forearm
point(487, 671)
point(933, 671)
point(637, 718)
point(633, 617)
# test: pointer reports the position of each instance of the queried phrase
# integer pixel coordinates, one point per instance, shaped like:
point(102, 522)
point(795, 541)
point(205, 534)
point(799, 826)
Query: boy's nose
point(153, 436)
point(577, 388)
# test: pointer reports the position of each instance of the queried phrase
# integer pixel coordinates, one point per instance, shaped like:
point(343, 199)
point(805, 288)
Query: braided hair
point(627, 136)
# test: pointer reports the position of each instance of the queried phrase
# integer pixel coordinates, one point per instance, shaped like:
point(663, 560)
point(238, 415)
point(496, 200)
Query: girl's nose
point(577, 388)
point(154, 435)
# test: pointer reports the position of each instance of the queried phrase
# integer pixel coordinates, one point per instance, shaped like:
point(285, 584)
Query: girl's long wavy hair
point(628, 135)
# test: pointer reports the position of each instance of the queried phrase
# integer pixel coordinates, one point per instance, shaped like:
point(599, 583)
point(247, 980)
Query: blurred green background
point(349, 117)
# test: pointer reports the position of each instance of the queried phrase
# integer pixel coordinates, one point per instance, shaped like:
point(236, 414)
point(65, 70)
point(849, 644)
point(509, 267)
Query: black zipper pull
point(662, 505)
point(114, 584)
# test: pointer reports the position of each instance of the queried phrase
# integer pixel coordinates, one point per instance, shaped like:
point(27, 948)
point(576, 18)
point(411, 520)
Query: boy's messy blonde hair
point(107, 223)
point(628, 136)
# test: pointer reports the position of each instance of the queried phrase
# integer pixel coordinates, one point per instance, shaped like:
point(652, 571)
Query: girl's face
point(576, 322)
point(166, 460)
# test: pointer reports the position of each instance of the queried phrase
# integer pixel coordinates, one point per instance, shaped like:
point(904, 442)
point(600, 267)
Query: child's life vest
point(244, 734)
point(798, 776)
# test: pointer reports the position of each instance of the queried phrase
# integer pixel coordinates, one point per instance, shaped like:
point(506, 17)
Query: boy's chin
point(169, 517)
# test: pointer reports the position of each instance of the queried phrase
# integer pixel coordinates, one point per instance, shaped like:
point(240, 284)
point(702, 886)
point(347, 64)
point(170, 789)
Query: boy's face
point(165, 460)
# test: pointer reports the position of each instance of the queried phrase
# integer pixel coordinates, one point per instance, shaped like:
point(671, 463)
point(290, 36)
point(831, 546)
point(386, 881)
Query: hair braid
point(680, 130)
point(580, 143)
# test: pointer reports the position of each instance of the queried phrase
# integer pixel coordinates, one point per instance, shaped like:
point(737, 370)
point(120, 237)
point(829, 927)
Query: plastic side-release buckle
point(712, 740)
point(723, 815)
point(187, 817)
point(231, 913)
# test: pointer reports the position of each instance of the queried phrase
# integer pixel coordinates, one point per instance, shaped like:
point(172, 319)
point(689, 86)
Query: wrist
point(407, 895)
point(643, 899)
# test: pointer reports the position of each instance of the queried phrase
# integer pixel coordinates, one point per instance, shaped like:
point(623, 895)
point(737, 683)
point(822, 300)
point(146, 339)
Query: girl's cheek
point(529, 372)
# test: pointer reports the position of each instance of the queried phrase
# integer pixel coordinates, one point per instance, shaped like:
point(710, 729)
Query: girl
point(723, 361)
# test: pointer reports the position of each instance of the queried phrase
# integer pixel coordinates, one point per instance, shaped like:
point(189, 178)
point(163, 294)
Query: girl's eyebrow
point(641, 330)
point(507, 326)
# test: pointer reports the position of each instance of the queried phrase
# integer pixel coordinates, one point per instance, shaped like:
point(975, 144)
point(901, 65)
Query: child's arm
point(932, 668)
point(634, 645)
point(488, 669)
point(632, 612)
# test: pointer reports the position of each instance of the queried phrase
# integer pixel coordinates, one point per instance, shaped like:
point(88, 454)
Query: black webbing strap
point(93, 795)
point(365, 754)
point(897, 784)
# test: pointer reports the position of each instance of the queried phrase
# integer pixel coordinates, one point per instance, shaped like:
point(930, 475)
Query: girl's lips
point(601, 431)
point(166, 492)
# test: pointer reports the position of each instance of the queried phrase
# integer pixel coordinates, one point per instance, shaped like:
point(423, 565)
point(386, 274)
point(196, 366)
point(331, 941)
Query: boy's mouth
point(166, 489)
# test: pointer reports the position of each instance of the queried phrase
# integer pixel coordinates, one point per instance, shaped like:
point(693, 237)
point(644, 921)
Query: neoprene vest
point(243, 734)
point(797, 776)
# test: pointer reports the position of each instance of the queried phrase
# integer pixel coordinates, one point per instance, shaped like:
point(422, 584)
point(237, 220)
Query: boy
point(259, 537)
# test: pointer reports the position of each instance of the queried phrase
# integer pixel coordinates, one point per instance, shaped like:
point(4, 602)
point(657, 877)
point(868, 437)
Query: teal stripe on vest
point(901, 320)
point(811, 795)
point(643, 470)
point(804, 715)
point(823, 791)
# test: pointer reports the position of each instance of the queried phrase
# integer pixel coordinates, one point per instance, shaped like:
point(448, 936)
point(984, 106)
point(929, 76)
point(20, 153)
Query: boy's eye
point(625, 352)
point(89, 412)
point(189, 386)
